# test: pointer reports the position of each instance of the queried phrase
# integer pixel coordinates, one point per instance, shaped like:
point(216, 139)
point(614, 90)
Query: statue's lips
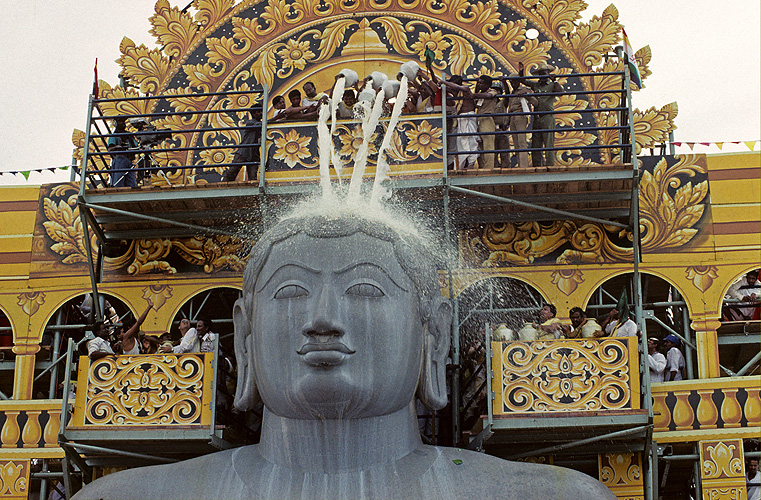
point(324, 353)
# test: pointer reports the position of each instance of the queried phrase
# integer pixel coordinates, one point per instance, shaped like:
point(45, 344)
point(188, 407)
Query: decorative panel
point(622, 474)
point(14, 479)
point(722, 470)
point(146, 390)
point(565, 375)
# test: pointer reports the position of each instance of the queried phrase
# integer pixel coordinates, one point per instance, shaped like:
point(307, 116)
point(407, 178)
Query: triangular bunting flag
point(704, 143)
point(750, 144)
point(690, 144)
point(677, 144)
point(720, 145)
point(25, 173)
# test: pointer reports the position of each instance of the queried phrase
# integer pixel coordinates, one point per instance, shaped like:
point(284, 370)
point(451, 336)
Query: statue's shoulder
point(197, 478)
point(492, 477)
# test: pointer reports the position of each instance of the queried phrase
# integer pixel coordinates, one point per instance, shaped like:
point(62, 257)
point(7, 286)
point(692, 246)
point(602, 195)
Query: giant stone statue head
point(341, 317)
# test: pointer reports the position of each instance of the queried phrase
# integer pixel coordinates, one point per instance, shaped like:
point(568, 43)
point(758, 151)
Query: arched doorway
point(492, 301)
point(665, 311)
point(741, 325)
point(71, 320)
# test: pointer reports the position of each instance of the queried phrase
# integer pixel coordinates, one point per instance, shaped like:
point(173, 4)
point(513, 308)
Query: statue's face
point(336, 329)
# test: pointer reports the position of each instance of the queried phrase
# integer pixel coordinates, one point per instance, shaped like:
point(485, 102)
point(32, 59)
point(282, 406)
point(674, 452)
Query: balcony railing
point(196, 135)
point(590, 375)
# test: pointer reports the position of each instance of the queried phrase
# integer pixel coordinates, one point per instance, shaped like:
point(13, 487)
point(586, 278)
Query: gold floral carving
point(567, 280)
point(291, 147)
point(289, 35)
point(669, 212)
point(30, 302)
point(565, 376)
point(425, 140)
point(63, 227)
point(14, 479)
point(702, 276)
point(157, 295)
point(145, 390)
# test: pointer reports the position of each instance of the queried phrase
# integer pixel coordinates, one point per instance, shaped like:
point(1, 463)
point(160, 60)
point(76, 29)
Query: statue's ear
point(432, 386)
point(246, 394)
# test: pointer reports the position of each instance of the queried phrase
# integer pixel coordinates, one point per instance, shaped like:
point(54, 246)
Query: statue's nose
point(324, 317)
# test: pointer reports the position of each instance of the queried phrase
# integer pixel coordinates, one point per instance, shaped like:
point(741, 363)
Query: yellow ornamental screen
point(564, 376)
point(160, 390)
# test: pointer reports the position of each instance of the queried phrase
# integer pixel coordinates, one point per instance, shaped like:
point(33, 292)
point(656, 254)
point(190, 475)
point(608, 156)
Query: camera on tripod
point(149, 140)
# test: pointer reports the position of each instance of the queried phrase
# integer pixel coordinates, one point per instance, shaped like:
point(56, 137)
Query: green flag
point(623, 307)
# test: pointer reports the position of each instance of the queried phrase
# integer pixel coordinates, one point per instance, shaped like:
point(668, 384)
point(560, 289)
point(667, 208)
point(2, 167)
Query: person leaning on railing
point(99, 347)
point(122, 174)
point(582, 327)
point(546, 121)
point(518, 123)
point(248, 152)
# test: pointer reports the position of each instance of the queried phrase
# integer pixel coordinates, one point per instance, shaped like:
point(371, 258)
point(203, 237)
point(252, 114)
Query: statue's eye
point(291, 292)
point(365, 290)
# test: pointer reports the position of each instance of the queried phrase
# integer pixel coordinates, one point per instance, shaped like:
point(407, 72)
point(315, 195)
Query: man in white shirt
point(311, 95)
point(674, 358)
point(99, 347)
point(656, 360)
point(754, 492)
point(614, 328)
point(198, 339)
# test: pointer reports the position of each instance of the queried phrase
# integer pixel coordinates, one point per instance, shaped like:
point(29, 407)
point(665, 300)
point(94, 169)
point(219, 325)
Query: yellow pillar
point(23, 377)
point(622, 474)
point(722, 470)
point(707, 343)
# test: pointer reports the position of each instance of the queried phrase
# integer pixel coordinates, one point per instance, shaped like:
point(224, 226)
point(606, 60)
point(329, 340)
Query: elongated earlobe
point(432, 386)
point(246, 393)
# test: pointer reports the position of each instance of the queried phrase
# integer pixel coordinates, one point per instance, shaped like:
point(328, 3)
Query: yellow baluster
point(707, 413)
point(10, 433)
point(731, 413)
point(32, 431)
point(684, 415)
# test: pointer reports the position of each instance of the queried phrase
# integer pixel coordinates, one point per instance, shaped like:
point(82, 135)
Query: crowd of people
point(665, 357)
point(491, 121)
point(617, 323)
point(129, 340)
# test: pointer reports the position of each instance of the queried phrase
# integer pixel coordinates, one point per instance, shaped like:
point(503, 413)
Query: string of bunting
point(26, 173)
point(750, 144)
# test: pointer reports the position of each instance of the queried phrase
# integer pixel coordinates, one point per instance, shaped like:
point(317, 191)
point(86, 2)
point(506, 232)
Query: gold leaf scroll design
point(63, 225)
point(14, 478)
point(145, 390)
point(722, 461)
point(666, 222)
point(214, 253)
point(565, 376)
point(620, 469)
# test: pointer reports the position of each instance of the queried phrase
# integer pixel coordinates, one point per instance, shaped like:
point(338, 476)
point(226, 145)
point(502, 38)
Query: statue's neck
point(340, 444)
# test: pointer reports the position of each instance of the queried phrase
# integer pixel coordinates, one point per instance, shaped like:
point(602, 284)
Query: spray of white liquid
point(380, 192)
point(369, 124)
point(325, 142)
point(370, 118)
point(338, 93)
